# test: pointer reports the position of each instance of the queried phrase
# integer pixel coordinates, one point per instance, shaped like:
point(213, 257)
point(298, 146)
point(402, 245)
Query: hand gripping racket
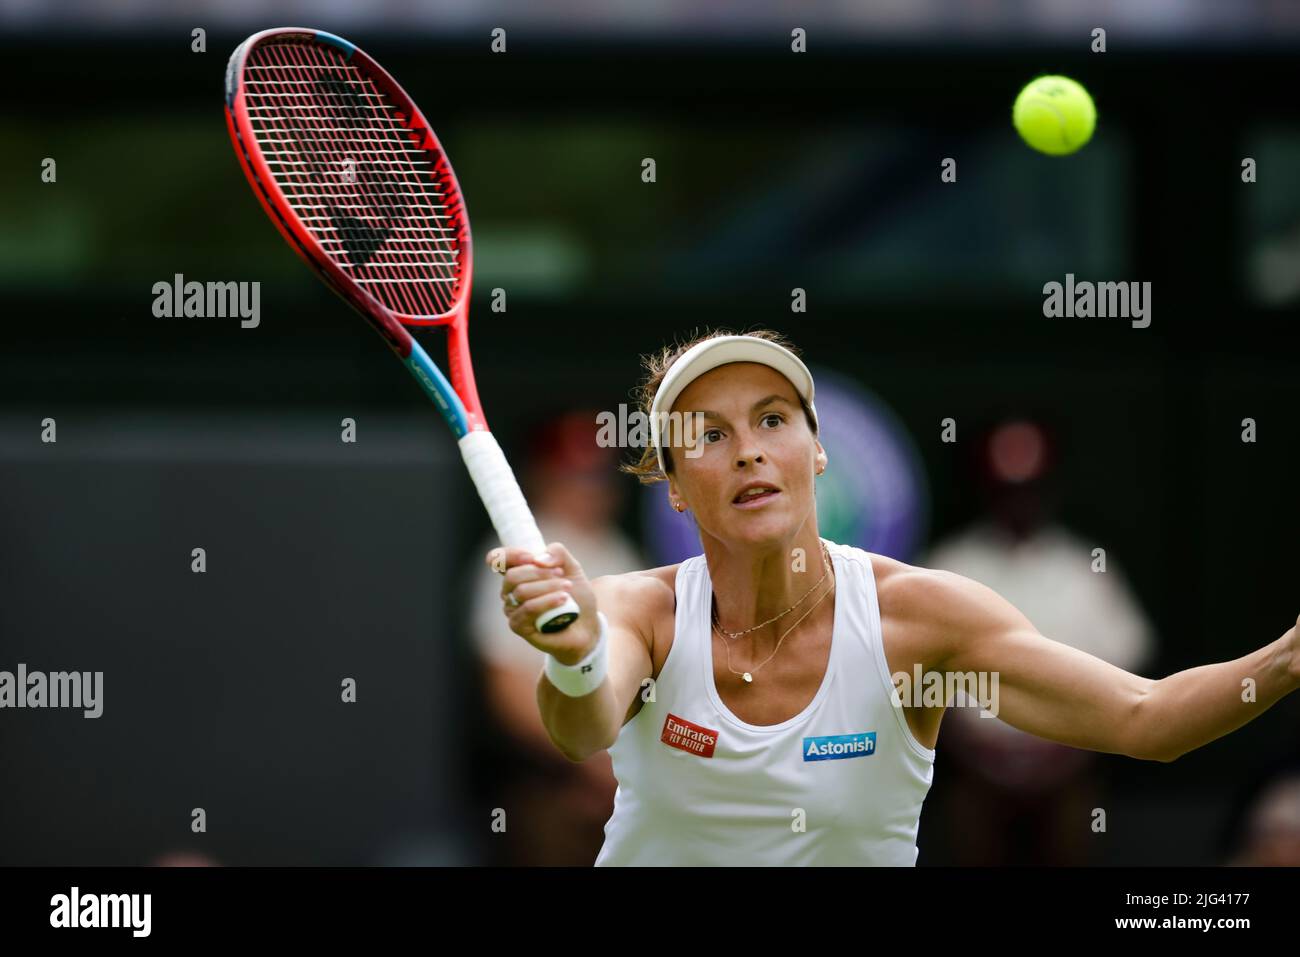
point(352, 175)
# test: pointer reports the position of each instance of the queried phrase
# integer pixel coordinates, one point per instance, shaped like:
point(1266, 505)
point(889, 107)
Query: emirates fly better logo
point(687, 736)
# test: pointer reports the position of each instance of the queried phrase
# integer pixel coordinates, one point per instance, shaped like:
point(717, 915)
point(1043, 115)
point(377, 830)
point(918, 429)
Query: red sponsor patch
point(682, 734)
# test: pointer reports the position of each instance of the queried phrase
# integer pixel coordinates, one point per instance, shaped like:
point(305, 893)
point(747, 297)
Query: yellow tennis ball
point(1054, 115)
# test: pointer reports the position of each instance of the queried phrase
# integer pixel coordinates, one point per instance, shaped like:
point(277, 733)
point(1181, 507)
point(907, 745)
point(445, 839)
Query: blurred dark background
point(775, 171)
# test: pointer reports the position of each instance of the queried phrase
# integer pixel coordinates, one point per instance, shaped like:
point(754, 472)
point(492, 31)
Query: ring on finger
point(512, 601)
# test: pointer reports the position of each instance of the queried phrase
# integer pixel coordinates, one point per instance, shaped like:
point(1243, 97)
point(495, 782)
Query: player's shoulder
point(939, 606)
point(913, 592)
point(640, 593)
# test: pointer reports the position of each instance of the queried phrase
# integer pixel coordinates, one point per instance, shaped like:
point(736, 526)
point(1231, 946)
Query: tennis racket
point(352, 175)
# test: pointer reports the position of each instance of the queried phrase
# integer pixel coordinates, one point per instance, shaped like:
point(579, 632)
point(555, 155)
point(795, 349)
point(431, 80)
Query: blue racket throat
point(492, 477)
point(438, 389)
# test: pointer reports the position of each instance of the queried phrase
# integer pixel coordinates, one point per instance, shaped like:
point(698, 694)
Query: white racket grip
point(510, 514)
point(500, 492)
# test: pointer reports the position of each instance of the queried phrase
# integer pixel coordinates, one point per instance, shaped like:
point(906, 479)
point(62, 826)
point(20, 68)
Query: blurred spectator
point(184, 859)
point(1264, 827)
point(1020, 799)
point(556, 809)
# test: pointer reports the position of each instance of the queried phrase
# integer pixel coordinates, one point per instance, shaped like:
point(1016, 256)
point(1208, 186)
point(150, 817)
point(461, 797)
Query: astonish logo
point(833, 747)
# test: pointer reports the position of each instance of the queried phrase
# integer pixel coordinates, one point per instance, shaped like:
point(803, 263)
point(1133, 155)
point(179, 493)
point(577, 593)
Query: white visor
point(720, 351)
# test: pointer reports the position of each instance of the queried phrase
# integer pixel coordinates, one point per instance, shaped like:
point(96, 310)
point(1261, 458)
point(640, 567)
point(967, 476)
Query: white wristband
point(577, 681)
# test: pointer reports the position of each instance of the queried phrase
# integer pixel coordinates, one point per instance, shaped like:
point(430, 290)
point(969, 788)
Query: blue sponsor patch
point(833, 747)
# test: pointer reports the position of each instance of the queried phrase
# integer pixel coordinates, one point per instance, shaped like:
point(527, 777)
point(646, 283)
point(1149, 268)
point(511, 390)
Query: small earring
point(679, 506)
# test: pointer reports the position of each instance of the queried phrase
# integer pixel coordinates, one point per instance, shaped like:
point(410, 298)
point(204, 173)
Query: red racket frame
point(389, 324)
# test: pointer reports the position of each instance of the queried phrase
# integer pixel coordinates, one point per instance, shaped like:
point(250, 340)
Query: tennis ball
point(1054, 115)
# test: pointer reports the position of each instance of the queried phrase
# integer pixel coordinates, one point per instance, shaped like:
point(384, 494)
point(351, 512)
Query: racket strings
point(360, 232)
point(357, 107)
point(304, 143)
point(362, 238)
point(347, 244)
point(359, 239)
point(384, 208)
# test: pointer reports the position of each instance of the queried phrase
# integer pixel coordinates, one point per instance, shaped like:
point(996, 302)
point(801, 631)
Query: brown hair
point(656, 366)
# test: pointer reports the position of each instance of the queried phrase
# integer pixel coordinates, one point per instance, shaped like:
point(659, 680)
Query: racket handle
point(509, 512)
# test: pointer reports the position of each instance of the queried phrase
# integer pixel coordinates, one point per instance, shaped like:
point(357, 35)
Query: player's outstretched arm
point(582, 726)
point(1057, 692)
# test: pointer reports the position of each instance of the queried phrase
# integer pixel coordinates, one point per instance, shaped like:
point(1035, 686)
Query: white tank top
point(841, 783)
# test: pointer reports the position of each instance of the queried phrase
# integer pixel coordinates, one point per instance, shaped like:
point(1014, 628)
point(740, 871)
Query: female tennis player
point(748, 696)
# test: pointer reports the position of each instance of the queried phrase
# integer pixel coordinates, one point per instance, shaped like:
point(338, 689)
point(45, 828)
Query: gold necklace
point(749, 675)
point(826, 570)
